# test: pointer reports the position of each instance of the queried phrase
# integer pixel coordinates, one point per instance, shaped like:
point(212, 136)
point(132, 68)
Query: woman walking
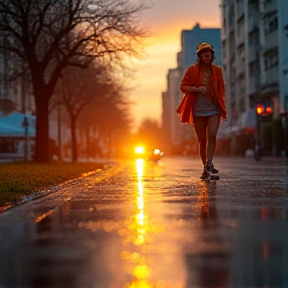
point(204, 104)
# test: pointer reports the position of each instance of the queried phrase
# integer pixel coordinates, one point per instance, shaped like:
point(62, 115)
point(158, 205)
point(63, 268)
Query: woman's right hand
point(202, 89)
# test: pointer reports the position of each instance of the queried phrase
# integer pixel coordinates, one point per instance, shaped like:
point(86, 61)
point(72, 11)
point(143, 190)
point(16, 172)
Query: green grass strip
point(20, 179)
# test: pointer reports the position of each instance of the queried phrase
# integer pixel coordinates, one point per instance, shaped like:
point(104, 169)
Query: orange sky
point(166, 19)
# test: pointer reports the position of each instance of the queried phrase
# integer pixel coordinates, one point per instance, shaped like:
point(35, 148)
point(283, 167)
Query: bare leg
point(202, 152)
point(213, 126)
point(200, 126)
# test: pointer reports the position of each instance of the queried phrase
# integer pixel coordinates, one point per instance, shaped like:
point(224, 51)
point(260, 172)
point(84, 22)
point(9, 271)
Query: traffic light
point(260, 109)
point(269, 110)
point(263, 110)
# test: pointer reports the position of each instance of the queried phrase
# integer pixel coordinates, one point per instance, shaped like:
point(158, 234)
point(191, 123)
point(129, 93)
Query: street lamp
point(25, 124)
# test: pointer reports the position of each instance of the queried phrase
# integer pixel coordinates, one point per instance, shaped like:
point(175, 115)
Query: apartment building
point(190, 39)
point(171, 125)
point(254, 36)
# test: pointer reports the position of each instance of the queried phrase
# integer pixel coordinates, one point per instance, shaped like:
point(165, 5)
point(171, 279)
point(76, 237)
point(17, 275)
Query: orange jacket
point(193, 78)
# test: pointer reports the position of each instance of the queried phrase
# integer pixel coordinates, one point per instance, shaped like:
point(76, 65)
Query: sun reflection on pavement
point(137, 252)
point(140, 271)
point(140, 261)
point(140, 217)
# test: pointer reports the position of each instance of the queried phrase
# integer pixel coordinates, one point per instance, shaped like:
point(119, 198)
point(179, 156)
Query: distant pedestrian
point(204, 103)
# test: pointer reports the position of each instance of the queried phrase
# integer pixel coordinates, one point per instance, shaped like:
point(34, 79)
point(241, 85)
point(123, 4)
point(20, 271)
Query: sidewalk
point(141, 224)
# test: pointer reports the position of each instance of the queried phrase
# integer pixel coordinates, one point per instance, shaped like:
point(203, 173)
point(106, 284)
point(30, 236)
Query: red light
point(269, 110)
point(260, 109)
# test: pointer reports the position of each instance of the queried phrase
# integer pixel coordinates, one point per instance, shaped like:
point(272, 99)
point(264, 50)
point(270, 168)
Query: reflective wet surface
point(141, 224)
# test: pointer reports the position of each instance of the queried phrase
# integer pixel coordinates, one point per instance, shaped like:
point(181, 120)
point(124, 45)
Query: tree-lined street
point(43, 40)
point(141, 224)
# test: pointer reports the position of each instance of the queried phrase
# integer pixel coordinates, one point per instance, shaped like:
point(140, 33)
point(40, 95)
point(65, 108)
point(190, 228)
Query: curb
point(53, 189)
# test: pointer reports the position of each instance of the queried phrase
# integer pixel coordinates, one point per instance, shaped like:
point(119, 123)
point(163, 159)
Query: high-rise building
point(171, 125)
point(190, 39)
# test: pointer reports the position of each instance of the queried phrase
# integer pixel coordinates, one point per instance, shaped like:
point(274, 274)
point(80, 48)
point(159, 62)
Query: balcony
point(240, 36)
point(254, 85)
point(270, 7)
point(231, 20)
point(253, 53)
point(271, 85)
point(271, 41)
point(232, 56)
point(240, 69)
point(272, 76)
point(252, 23)
point(239, 11)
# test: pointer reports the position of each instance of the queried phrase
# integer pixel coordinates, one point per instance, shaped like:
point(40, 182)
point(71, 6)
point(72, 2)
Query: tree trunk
point(74, 140)
point(59, 131)
point(109, 144)
point(42, 129)
point(88, 144)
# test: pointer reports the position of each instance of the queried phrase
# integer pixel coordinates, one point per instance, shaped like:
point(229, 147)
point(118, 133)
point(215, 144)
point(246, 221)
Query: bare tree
point(108, 114)
point(79, 88)
point(49, 35)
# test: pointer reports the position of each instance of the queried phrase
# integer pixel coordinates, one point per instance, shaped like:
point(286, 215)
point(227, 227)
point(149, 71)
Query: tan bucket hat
point(203, 46)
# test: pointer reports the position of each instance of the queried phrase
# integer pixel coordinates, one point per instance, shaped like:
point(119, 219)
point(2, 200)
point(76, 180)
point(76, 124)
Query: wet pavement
point(141, 224)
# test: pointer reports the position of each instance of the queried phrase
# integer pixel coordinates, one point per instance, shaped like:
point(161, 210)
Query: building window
point(271, 59)
point(271, 26)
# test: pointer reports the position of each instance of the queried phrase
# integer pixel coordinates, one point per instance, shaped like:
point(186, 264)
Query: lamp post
point(59, 130)
point(25, 124)
point(257, 154)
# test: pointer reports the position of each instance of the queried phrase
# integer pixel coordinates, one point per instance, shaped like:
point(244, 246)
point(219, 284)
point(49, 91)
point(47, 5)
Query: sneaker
point(210, 167)
point(205, 174)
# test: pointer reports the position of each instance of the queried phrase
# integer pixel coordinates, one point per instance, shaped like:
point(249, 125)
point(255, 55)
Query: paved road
point(140, 224)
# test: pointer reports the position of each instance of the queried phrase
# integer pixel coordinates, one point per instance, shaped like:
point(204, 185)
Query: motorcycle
point(155, 155)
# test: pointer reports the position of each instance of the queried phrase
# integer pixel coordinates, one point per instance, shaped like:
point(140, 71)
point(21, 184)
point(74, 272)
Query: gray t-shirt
point(204, 106)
